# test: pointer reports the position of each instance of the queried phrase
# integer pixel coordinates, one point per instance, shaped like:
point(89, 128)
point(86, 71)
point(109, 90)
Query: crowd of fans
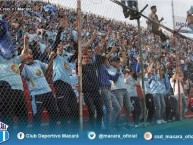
point(111, 68)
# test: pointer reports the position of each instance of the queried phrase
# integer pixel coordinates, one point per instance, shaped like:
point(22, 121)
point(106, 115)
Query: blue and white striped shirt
point(153, 83)
point(162, 86)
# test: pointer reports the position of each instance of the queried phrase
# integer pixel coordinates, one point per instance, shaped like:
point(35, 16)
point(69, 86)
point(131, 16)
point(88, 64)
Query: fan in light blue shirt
point(153, 82)
point(34, 75)
point(61, 69)
point(33, 72)
point(9, 72)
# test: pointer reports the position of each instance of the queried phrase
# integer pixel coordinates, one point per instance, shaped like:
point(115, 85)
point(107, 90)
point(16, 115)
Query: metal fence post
point(80, 65)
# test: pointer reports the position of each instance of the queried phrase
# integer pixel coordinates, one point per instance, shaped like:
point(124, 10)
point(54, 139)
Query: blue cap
point(114, 59)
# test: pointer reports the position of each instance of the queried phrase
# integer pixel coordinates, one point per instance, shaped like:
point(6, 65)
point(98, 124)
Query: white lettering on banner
point(172, 136)
point(117, 136)
point(52, 136)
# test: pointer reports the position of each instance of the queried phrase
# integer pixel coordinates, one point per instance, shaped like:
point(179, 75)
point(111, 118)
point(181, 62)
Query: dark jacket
point(90, 80)
point(105, 77)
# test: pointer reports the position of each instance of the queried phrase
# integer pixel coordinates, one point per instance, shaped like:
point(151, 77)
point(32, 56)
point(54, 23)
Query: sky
point(111, 10)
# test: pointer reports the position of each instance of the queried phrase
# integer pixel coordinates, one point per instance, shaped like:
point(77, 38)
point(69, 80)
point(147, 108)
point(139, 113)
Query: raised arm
point(150, 68)
point(49, 67)
point(25, 52)
point(123, 53)
point(91, 40)
point(114, 49)
point(63, 24)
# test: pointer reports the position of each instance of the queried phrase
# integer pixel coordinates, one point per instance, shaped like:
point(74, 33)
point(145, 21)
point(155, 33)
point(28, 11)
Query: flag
point(50, 8)
point(6, 44)
point(136, 67)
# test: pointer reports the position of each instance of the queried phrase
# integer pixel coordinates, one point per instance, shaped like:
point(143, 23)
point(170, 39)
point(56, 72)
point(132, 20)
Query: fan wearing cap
point(119, 88)
point(11, 89)
point(110, 101)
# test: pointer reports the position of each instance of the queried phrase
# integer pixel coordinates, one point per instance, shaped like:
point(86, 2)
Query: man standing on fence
point(153, 27)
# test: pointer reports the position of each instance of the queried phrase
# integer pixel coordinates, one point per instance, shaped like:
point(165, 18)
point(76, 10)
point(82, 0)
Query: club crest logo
point(66, 66)
point(38, 72)
point(4, 134)
point(15, 68)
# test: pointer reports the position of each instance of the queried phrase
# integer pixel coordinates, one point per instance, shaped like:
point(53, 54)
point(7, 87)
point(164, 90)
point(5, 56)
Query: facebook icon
point(4, 134)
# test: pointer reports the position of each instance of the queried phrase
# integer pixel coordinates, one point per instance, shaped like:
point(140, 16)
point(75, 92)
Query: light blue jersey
point(162, 86)
point(36, 81)
point(9, 72)
point(167, 83)
point(61, 69)
point(153, 83)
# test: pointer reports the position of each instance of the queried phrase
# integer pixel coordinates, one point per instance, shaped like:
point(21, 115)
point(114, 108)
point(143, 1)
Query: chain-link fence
point(39, 80)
